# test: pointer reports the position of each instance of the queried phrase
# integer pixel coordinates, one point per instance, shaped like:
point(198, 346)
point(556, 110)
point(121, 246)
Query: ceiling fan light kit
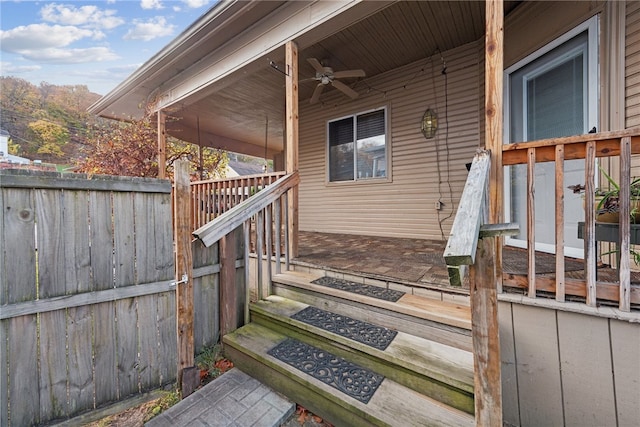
point(325, 76)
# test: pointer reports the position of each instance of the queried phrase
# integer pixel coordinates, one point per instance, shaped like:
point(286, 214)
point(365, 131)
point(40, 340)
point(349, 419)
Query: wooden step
point(442, 372)
point(441, 321)
point(392, 404)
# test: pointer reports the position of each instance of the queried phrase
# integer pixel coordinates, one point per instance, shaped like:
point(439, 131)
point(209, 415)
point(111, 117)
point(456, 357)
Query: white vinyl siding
point(421, 171)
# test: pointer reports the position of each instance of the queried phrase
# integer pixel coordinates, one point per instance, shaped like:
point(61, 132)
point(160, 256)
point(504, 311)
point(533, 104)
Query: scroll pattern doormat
point(347, 377)
point(357, 330)
point(359, 288)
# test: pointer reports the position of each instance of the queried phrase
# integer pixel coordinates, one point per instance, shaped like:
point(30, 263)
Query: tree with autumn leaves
point(130, 149)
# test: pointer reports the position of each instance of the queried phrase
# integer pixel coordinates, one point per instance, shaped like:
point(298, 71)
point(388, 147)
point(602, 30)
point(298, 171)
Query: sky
point(92, 43)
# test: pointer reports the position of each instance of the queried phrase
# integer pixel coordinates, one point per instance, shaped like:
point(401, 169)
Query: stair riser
point(300, 391)
point(445, 334)
point(451, 396)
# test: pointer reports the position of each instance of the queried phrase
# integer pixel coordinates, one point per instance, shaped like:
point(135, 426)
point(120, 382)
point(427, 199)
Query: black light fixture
point(429, 123)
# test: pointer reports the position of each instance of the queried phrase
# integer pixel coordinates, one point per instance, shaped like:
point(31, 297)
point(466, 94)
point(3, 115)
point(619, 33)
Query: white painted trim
point(592, 27)
point(574, 307)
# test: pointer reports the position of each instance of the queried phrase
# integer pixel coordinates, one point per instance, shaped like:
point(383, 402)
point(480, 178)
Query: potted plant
point(608, 206)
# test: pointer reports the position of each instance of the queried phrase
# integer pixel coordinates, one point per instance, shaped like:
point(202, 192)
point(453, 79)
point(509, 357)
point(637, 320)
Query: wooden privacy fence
point(87, 293)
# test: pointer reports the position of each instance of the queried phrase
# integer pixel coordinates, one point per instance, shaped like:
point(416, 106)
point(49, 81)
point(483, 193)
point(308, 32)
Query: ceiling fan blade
point(349, 73)
point(345, 89)
point(316, 93)
point(316, 65)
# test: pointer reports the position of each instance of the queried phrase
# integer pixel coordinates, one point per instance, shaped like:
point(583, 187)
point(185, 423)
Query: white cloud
point(41, 36)
point(9, 68)
point(70, 56)
point(86, 16)
point(48, 43)
point(149, 30)
point(194, 4)
point(151, 4)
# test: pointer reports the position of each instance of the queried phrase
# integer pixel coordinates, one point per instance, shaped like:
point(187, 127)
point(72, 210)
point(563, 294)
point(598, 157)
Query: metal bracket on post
point(457, 273)
point(183, 279)
point(495, 230)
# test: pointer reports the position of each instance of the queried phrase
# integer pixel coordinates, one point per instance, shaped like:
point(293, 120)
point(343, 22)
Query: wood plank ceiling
point(400, 34)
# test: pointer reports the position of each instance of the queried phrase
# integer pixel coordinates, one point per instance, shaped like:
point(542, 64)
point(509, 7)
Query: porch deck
point(420, 262)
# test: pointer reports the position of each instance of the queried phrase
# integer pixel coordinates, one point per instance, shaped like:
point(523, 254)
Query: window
point(366, 158)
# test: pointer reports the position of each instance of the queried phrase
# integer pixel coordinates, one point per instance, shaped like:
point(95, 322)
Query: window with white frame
point(358, 147)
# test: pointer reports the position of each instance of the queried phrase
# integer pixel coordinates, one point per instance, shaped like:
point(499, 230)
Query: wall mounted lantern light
point(429, 123)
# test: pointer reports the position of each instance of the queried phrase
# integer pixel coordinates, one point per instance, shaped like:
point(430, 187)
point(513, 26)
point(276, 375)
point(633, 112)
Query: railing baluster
point(259, 248)
point(560, 223)
point(285, 198)
point(625, 224)
point(246, 234)
point(268, 229)
point(531, 220)
point(590, 222)
point(278, 230)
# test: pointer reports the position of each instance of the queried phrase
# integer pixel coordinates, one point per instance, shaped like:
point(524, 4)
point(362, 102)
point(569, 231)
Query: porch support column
point(486, 275)
point(291, 146)
point(162, 146)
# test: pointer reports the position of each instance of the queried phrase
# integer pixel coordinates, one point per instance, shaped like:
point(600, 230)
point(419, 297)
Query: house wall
point(568, 368)
point(421, 171)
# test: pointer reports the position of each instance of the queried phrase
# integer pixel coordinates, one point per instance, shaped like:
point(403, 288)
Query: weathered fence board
point(87, 300)
point(81, 390)
point(207, 325)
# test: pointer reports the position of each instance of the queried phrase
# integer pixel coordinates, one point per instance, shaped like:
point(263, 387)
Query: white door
point(551, 93)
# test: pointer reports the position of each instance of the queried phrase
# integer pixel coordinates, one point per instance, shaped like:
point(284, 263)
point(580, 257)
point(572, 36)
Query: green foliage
point(167, 400)
point(48, 137)
point(23, 105)
point(208, 357)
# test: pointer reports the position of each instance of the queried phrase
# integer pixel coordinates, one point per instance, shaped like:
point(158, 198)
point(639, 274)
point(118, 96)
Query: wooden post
point(184, 268)
point(292, 140)
point(162, 146)
point(485, 337)
point(494, 68)
point(228, 289)
point(625, 224)
point(486, 275)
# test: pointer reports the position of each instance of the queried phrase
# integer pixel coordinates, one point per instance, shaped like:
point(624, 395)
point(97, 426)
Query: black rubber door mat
point(360, 288)
point(363, 332)
point(347, 377)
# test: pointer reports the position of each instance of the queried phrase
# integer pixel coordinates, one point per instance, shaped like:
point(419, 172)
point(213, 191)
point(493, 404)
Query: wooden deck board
point(422, 307)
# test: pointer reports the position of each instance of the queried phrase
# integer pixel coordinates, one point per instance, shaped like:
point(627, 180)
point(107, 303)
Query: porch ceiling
point(234, 115)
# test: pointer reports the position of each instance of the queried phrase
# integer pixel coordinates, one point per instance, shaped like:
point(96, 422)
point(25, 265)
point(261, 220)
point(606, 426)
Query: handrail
point(213, 231)
point(463, 238)
point(460, 251)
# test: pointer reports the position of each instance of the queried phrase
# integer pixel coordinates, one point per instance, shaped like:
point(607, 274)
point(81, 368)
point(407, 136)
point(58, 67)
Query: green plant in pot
point(608, 207)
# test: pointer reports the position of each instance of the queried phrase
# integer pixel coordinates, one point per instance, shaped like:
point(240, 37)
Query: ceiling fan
point(325, 75)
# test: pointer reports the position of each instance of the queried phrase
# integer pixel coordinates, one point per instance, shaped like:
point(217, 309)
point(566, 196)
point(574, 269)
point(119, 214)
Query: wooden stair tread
point(392, 403)
point(444, 312)
point(441, 362)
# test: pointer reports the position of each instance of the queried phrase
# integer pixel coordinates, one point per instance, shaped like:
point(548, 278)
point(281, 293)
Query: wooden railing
point(268, 210)
point(212, 198)
point(588, 147)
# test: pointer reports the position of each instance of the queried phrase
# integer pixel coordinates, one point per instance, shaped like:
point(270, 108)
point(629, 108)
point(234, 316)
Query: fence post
point(184, 270)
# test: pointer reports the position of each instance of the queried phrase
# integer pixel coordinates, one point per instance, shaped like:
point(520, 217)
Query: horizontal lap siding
point(403, 207)
point(632, 74)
